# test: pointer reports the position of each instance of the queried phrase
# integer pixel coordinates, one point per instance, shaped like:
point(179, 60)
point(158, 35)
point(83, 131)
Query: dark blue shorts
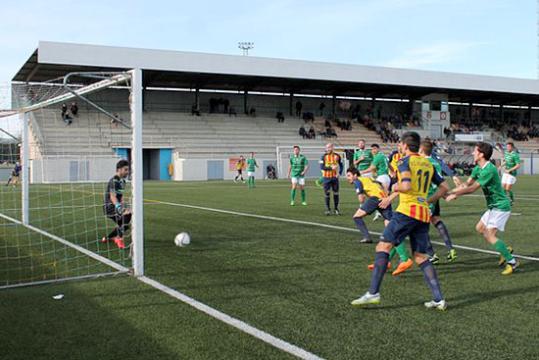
point(331, 184)
point(402, 226)
point(371, 205)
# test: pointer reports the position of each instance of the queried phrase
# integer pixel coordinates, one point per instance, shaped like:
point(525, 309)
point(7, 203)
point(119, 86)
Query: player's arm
point(360, 191)
point(442, 190)
point(323, 165)
point(371, 169)
point(289, 169)
point(358, 160)
point(306, 169)
point(385, 202)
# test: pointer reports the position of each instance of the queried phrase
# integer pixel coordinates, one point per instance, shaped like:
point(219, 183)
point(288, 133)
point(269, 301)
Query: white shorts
point(369, 175)
point(384, 180)
point(298, 180)
point(495, 219)
point(508, 179)
point(250, 173)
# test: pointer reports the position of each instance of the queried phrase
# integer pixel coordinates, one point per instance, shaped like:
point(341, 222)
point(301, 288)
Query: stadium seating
point(91, 133)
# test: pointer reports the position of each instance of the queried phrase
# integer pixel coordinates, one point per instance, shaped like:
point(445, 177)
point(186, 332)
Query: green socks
point(292, 194)
point(303, 195)
point(511, 195)
point(500, 247)
point(250, 182)
point(392, 253)
point(401, 250)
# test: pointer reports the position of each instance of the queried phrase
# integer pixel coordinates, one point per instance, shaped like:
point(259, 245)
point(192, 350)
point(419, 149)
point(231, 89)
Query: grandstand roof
point(164, 68)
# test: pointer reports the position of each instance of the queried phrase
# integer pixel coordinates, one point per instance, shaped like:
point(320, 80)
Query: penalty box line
point(326, 226)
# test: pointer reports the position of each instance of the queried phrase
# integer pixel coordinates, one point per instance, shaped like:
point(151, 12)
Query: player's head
point(410, 141)
point(352, 174)
point(329, 147)
point(510, 146)
point(375, 148)
point(426, 148)
point(122, 168)
point(482, 151)
point(241, 157)
point(361, 144)
point(296, 150)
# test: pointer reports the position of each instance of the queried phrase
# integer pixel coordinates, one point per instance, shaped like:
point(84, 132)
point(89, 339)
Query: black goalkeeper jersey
point(115, 185)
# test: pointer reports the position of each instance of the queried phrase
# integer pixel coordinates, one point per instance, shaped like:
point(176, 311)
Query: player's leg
point(436, 220)
point(419, 240)
point(294, 181)
point(327, 186)
point(394, 234)
point(116, 234)
point(335, 188)
point(301, 183)
point(8, 181)
point(360, 224)
point(508, 181)
point(490, 223)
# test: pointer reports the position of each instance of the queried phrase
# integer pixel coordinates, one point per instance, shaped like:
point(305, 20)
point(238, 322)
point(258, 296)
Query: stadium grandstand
point(201, 110)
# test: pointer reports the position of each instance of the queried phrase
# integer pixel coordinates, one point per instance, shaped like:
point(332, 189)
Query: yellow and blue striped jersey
point(419, 171)
point(369, 187)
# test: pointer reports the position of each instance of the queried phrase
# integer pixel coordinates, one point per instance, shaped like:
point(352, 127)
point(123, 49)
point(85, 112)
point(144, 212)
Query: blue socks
point(432, 280)
point(380, 267)
point(360, 224)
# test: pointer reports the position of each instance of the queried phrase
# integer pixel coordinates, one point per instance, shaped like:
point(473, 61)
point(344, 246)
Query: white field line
point(327, 226)
point(229, 320)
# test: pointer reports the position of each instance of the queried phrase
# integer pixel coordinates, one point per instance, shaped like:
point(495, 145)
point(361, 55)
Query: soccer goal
point(313, 155)
point(60, 141)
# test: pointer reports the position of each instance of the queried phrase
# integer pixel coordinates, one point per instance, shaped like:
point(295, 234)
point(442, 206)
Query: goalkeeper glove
point(119, 209)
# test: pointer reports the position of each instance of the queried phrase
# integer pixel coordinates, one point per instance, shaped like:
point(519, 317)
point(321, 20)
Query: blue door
point(216, 169)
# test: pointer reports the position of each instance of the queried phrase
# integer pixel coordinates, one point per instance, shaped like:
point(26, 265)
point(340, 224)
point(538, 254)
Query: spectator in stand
point(302, 132)
point(74, 109)
point(299, 106)
point(321, 108)
point(312, 133)
point(232, 111)
point(327, 123)
point(195, 110)
point(67, 119)
point(64, 110)
point(280, 117)
point(252, 112)
point(226, 104)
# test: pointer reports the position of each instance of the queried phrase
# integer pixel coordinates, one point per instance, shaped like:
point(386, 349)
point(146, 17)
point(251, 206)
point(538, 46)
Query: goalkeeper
point(114, 207)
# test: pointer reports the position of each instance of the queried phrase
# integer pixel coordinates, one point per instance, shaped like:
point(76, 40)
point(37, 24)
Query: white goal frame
point(137, 225)
point(311, 152)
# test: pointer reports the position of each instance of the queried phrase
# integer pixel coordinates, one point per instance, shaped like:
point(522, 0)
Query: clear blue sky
point(495, 37)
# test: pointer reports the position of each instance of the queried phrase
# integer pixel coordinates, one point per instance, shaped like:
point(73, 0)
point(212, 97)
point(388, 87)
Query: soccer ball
point(182, 239)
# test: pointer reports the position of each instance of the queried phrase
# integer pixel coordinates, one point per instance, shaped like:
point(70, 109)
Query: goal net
point(60, 142)
point(313, 155)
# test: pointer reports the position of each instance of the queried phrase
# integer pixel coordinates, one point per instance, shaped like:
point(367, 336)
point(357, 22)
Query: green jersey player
point(296, 173)
point(435, 213)
point(511, 163)
point(379, 167)
point(251, 168)
point(485, 176)
point(362, 159)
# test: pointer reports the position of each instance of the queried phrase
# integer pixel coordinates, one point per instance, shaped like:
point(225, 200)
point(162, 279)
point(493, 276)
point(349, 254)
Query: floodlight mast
point(245, 46)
